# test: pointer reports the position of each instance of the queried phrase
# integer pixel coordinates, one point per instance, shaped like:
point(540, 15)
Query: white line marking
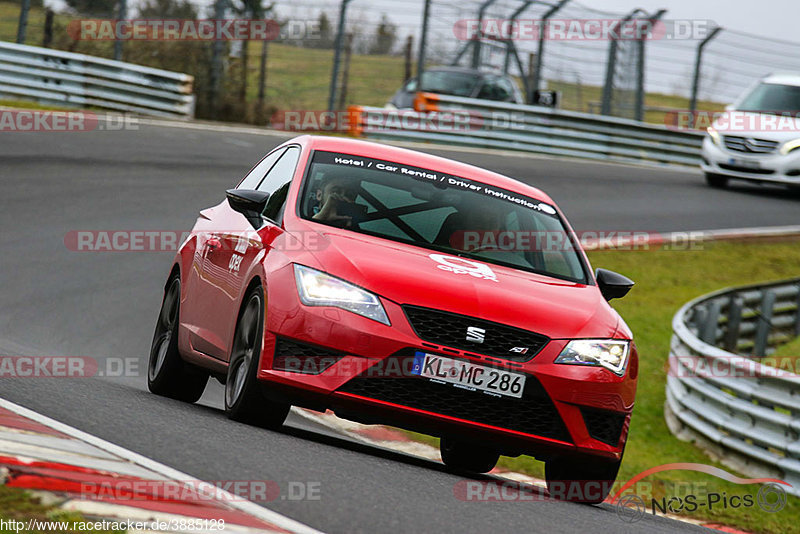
point(234, 502)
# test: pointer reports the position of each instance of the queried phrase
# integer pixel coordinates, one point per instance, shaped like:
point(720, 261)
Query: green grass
point(20, 505)
point(30, 105)
point(786, 357)
point(665, 280)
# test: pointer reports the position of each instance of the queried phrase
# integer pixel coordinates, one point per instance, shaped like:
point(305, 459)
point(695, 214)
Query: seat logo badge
point(475, 334)
point(519, 350)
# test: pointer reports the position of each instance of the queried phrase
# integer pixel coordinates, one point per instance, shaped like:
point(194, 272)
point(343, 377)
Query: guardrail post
point(797, 313)
point(735, 307)
point(764, 323)
point(698, 317)
point(337, 53)
point(348, 52)
point(639, 110)
point(537, 75)
point(407, 54)
point(423, 41)
point(216, 62)
point(510, 42)
point(47, 35)
point(696, 77)
point(23, 21)
point(611, 63)
point(476, 47)
point(122, 13)
point(708, 329)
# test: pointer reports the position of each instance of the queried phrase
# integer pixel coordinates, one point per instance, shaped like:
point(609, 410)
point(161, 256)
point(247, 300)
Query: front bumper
point(364, 376)
point(774, 167)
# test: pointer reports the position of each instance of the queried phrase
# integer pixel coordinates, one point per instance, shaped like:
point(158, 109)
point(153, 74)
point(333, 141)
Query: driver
point(333, 198)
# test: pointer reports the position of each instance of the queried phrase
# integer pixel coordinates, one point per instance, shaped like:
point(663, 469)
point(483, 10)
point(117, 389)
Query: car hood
point(758, 125)
point(412, 275)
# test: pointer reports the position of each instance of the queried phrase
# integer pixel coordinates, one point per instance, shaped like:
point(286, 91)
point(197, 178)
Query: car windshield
point(439, 211)
point(772, 98)
point(449, 82)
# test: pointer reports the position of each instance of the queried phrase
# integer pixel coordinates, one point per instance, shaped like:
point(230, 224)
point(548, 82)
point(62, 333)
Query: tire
point(167, 374)
point(244, 400)
point(463, 456)
point(716, 180)
point(580, 480)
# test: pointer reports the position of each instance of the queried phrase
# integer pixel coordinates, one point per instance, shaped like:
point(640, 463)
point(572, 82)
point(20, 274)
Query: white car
point(758, 137)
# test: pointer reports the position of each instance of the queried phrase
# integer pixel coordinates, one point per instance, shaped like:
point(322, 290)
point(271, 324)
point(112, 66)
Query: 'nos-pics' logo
point(458, 265)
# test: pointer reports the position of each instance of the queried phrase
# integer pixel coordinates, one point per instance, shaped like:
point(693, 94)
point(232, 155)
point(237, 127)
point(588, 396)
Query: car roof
point(463, 70)
point(369, 149)
point(783, 78)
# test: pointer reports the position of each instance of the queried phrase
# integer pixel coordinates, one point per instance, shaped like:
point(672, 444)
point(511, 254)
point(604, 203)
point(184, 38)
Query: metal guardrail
point(54, 77)
point(532, 129)
point(736, 408)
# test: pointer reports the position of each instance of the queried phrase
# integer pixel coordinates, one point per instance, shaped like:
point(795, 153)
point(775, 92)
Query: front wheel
point(716, 180)
point(466, 457)
point(580, 480)
point(167, 374)
point(244, 401)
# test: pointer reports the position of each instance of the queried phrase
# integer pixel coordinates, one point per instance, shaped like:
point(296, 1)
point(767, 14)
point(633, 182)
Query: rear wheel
point(716, 180)
point(167, 374)
point(580, 480)
point(244, 400)
point(467, 457)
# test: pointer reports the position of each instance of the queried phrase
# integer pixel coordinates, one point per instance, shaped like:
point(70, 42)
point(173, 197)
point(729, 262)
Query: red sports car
point(402, 288)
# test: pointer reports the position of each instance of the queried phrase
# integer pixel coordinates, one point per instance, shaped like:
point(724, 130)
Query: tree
point(104, 8)
point(167, 9)
point(325, 32)
point(385, 36)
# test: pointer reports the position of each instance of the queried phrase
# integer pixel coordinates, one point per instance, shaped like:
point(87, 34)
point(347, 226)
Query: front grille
point(297, 357)
point(451, 330)
point(603, 425)
point(749, 145)
point(751, 170)
point(534, 413)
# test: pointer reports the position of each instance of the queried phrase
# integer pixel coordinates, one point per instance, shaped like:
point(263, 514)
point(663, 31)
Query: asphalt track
point(103, 305)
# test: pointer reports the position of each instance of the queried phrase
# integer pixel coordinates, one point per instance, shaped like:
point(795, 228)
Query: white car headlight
point(609, 353)
point(320, 289)
point(788, 146)
point(714, 135)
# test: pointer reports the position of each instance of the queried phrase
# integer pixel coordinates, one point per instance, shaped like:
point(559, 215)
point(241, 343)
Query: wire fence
point(379, 46)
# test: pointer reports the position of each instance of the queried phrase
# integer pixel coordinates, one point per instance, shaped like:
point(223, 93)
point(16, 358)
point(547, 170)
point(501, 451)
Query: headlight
point(609, 353)
point(788, 146)
point(714, 134)
point(320, 289)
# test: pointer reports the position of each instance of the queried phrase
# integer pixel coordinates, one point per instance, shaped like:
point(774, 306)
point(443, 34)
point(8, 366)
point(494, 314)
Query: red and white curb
point(43, 455)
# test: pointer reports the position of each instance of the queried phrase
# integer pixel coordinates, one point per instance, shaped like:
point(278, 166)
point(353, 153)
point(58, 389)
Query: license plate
point(466, 375)
point(745, 163)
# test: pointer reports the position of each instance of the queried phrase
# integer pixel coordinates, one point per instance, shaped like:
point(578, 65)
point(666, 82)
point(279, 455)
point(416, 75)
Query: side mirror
point(249, 203)
point(612, 285)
